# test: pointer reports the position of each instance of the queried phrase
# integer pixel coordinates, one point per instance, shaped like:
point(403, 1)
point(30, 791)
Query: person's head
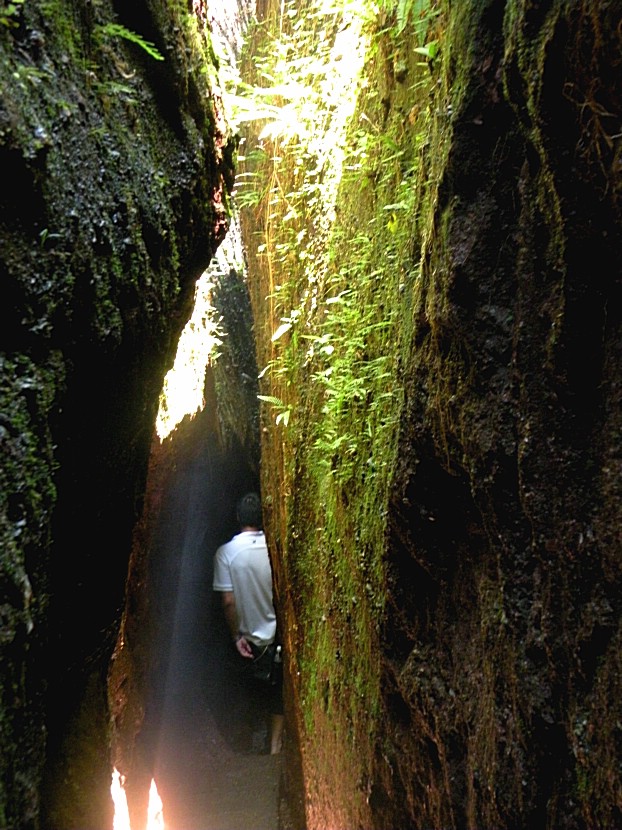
point(249, 511)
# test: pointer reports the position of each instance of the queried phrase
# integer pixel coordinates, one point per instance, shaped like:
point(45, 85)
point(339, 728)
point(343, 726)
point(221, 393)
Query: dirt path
point(207, 785)
point(211, 770)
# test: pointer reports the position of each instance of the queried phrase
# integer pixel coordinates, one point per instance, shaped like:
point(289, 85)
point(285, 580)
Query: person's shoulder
point(248, 539)
point(235, 542)
point(226, 546)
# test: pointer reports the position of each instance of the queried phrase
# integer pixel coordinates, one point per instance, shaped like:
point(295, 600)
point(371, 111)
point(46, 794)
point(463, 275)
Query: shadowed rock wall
point(115, 163)
point(500, 633)
point(503, 639)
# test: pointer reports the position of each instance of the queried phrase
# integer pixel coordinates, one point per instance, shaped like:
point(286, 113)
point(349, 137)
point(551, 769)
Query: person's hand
point(243, 647)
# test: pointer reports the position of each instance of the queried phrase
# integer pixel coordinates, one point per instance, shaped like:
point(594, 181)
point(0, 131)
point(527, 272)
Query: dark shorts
point(269, 689)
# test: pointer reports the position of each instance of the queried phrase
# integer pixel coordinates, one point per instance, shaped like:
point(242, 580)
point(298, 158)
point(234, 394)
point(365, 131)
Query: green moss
point(340, 284)
point(119, 157)
point(413, 323)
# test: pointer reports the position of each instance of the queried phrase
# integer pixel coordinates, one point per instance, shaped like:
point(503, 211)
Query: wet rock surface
point(116, 203)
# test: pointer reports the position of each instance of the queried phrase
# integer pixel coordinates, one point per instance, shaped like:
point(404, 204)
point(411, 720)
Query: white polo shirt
point(243, 566)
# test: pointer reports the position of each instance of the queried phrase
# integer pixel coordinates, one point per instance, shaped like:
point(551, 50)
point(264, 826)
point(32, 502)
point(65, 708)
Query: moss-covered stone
point(119, 165)
point(459, 670)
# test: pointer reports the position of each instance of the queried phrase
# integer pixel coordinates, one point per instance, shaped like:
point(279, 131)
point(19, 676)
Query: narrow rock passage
point(209, 736)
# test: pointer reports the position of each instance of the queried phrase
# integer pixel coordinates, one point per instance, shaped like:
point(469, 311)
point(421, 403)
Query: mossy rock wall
point(503, 646)
point(486, 691)
point(116, 163)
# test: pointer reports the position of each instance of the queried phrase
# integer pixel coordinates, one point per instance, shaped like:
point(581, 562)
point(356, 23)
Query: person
point(243, 577)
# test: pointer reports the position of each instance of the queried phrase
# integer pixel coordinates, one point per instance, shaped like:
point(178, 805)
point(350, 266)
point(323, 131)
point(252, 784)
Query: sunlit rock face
point(120, 163)
point(498, 656)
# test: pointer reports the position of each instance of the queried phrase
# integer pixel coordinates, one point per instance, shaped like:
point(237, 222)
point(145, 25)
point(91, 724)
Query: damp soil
point(211, 768)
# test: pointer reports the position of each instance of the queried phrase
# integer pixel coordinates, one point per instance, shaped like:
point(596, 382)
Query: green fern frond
point(117, 30)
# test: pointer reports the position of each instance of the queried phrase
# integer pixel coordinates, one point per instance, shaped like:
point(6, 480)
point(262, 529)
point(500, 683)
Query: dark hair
point(249, 511)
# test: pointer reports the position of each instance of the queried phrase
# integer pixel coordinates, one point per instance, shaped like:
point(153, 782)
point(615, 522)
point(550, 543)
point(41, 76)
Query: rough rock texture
point(481, 687)
point(115, 165)
point(500, 639)
point(503, 645)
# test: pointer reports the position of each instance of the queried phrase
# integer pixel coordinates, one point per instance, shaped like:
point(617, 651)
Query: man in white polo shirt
point(243, 576)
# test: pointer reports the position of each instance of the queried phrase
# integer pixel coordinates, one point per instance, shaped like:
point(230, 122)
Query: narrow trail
point(209, 741)
point(205, 783)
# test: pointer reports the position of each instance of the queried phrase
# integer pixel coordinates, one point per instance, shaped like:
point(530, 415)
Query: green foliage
point(332, 182)
point(283, 412)
point(114, 30)
point(415, 13)
point(9, 13)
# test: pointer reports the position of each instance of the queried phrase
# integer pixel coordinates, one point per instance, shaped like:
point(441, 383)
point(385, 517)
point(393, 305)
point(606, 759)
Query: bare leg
point(276, 737)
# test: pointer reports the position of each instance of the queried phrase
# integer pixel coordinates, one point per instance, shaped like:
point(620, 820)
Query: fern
point(116, 30)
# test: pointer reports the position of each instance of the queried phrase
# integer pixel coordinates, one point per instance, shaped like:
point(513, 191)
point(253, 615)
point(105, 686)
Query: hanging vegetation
point(421, 220)
point(332, 180)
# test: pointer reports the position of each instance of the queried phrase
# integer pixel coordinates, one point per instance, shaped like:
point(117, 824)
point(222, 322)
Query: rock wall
point(116, 164)
point(502, 645)
point(439, 351)
point(463, 670)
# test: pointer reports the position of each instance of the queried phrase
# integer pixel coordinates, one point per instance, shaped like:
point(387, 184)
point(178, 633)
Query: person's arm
point(230, 612)
point(231, 617)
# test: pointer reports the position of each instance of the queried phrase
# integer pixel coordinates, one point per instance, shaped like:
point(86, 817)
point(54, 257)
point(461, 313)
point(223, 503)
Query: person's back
point(243, 576)
point(243, 567)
